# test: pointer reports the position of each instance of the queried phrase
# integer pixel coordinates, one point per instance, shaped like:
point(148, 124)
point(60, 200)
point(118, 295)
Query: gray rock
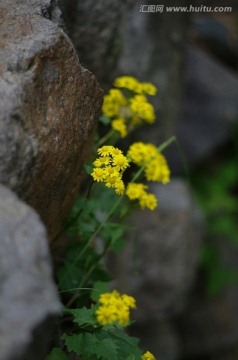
point(48, 109)
point(94, 29)
point(210, 109)
point(28, 297)
point(160, 261)
point(153, 50)
point(209, 325)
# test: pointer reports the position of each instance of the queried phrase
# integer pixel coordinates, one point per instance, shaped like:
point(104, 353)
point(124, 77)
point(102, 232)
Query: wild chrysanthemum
point(109, 168)
point(148, 356)
point(98, 174)
point(138, 192)
point(120, 126)
point(127, 106)
point(114, 308)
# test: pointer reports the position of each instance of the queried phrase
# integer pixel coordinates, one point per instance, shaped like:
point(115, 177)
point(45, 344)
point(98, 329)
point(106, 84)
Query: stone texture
point(28, 296)
point(94, 29)
point(49, 105)
point(210, 109)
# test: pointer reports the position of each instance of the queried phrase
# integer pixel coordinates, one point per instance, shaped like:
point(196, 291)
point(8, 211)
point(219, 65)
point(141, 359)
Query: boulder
point(94, 30)
point(28, 296)
point(48, 109)
point(209, 110)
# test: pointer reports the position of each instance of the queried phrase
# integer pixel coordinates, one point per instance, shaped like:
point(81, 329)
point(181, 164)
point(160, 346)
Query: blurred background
point(182, 262)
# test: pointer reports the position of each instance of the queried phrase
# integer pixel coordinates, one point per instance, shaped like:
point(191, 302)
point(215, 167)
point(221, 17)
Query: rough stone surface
point(49, 105)
point(28, 297)
point(94, 29)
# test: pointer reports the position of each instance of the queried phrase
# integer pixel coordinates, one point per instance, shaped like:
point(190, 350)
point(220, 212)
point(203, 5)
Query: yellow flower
point(157, 169)
point(112, 171)
point(119, 187)
point(134, 191)
point(131, 83)
point(98, 174)
point(113, 102)
point(105, 315)
point(148, 201)
point(102, 161)
point(120, 126)
point(148, 356)
point(127, 82)
point(110, 181)
point(129, 301)
point(120, 161)
point(118, 308)
point(149, 88)
point(140, 153)
point(140, 106)
point(138, 192)
point(105, 150)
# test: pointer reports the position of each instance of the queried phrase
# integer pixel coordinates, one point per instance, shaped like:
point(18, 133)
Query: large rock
point(210, 109)
point(94, 29)
point(49, 105)
point(28, 296)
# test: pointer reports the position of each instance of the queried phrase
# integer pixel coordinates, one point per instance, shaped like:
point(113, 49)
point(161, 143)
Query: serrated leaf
point(87, 344)
point(127, 344)
point(83, 316)
point(57, 354)
point(74, 343)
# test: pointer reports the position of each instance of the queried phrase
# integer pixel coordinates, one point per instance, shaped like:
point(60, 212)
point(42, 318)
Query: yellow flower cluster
point(142, 109)
point(148, 356)
point(115, 308)
point(131, 83)
point(128, 111)
point(109, 168)
point(147, 155)
point(136, 191)
point(113, 102)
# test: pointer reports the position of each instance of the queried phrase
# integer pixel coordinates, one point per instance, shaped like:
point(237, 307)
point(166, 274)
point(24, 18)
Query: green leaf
point(104, 120)
point(57, 354)
point(99, 288)
point(83, 316)
point(127, 345)
point(87, 344)
point(88, 168)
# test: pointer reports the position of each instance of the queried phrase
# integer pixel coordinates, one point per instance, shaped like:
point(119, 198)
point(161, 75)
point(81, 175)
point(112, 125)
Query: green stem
point(106, 137)
point(165, 144)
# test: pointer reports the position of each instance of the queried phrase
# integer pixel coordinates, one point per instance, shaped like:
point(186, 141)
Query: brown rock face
point(48, 110)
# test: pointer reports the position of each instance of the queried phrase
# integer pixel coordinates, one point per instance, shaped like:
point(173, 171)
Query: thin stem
point(165, 144)
point(106, 137)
